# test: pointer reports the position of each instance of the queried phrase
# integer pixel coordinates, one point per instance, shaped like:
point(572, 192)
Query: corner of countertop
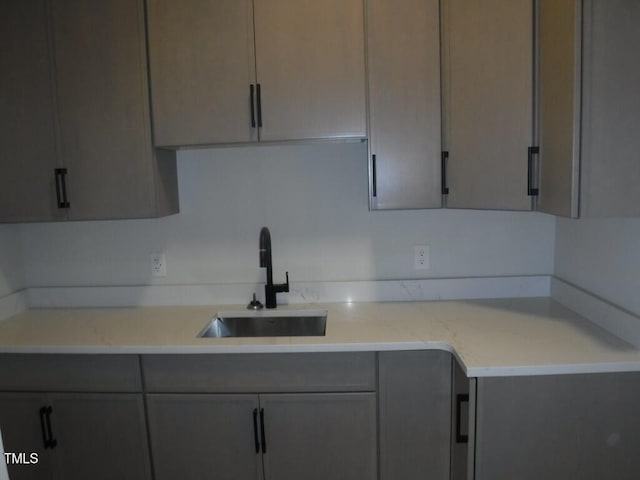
point(13, 304)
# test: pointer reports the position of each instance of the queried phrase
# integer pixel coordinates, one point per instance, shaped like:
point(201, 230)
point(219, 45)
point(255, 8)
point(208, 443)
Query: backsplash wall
point(314, 199)
point(601, 256)
point(11, 265)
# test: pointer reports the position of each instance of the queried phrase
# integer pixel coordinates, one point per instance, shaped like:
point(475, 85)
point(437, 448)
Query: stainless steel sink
point(269, 323)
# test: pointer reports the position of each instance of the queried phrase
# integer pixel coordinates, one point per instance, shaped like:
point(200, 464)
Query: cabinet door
point(404, 103)
point(103, 108)
point(610, 163)
point(415, 412)
point(558, 427)
point(488, 102)
point(202, 65)
point(100, 436)
point(22, 433)
point(319, 436)
point(310, 66)
point(28, 158)
point(460, 423)
point(195, 436)
point(559, 77)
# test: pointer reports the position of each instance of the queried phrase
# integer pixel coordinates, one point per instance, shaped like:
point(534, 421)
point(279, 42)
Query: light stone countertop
point(525, 336)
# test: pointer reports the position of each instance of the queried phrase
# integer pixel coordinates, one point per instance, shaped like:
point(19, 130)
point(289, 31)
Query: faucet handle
point(286, 288)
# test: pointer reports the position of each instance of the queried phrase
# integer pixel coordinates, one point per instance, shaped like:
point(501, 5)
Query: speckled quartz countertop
point(525, 336)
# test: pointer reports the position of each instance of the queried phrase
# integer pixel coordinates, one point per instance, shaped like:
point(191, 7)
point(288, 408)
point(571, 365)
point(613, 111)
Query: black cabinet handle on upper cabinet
point(259, 102)
point(263, 435)
point(253, 109)
point(255, 430)
point(61, 187)
point(444, 157)
point(531, 151)
point(374, 177)
point(460, 399)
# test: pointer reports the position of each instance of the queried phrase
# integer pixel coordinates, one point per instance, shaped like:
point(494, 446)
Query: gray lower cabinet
point(415, 410)
point(319, 436)
point(558, 427)
point(278, 428)
point(459, 423)
point(97, 436)
point(198, 436)
point(22, 432)
point(271, 436)
point(83, 415)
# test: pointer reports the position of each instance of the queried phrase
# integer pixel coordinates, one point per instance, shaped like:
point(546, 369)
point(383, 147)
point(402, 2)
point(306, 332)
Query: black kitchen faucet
point(270, 289)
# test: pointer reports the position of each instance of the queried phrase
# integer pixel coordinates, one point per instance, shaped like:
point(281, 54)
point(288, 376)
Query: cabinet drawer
point(69, 373)
point(273, 372)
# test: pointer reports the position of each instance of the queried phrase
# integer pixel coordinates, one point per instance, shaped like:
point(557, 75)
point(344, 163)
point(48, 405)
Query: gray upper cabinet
point(301, 77)
point(202, 66)
point(404, 103)
point(487, 55)
point(589, 108)
point(28, 157)
point(559, 88)
point(102, 96)
point(76, 127)
point(610, 167)
point(310, 63)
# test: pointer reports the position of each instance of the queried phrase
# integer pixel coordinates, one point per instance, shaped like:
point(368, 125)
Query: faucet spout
point(270, 289)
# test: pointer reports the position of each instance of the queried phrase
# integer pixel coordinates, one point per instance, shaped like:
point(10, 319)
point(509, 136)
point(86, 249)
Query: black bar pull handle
point(45, 437)
point(262, 432)
point(374, 177)
point(444, 157)
point(52, 441)
point(259, 102)
point(61, 187)
point(531, 190)
point(460, 399)
point(255, 430)
point(253, 108)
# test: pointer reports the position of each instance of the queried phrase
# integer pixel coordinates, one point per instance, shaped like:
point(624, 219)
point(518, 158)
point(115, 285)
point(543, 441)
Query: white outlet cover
point(421, 259)
point(158, 265)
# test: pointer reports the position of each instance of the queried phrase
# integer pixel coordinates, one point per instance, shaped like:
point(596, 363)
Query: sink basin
point(269, 323)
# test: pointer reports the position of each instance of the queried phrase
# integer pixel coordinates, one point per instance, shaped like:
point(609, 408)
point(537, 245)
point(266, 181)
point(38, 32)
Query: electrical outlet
point(158, 265)
point(421, 257)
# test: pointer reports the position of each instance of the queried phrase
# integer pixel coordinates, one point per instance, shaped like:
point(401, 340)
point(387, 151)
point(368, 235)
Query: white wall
point(601, 256)
point(11, 265)
point(314, 199)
